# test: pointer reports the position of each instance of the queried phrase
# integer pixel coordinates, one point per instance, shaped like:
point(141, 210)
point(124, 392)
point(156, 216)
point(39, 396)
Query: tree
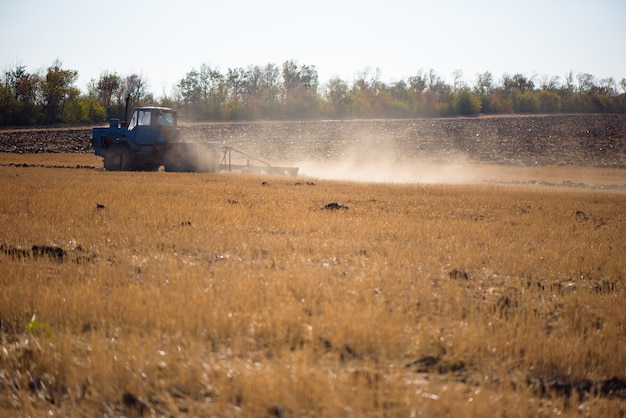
point(300, 84)
point(458, 82)
point(607, 86)
point(549, 101)
point(109, 86)
point(136, 87)
point(291, 76)
point(13, 78)
point(270, 82)
point(237, 105)
point(236, 80)
point(75, 109)
point(417, 83)
point(466, 103)
point(25, 92)
point(366, 92)
point(269, 90)
point(569, 83)
point(338, 100)
point(518, 82)
point(404, 103)
point(438, 97)
point(295, 76)
point(57, 88)
point(524, 102)
point(8, 105)
point(190, 87)
point(586, 83)
point(484, 84)
point(549, 83)
point(214, 91)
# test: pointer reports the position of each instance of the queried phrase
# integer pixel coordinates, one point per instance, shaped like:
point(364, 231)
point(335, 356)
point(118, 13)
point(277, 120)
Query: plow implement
point(252, 164)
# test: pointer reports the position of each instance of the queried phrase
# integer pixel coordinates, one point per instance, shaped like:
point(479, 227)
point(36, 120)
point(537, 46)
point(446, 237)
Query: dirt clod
point(335, 206)
point(457, 274)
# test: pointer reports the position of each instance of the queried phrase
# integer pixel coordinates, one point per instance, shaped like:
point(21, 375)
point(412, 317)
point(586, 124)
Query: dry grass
point(218, 295)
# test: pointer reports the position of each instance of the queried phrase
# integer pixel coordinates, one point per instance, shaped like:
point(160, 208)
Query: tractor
point(151, 140)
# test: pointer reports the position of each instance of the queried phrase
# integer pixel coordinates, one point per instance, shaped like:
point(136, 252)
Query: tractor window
point(140, 118)
point(143, 118)
point(166, 119)
point(133, 122)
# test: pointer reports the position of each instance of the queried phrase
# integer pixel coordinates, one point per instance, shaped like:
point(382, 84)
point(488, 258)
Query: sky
point(164, 40)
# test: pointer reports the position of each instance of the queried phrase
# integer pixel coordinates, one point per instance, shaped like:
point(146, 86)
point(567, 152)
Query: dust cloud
point(417, 171)
point(379, 159)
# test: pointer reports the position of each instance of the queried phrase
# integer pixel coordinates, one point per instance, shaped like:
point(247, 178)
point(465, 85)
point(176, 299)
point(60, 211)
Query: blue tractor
point(149, 141)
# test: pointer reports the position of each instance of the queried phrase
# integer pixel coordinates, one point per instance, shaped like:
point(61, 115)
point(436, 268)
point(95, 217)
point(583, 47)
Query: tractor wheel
point(120, 158)
point(176, 160)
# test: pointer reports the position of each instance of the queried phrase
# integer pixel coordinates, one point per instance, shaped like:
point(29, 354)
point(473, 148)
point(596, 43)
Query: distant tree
point(292, 91)
point(549, 101)
point(404, 104)
point(57, 88)
point(607, 86)
point(569, 85)
point(483, 84)
point(8, 106)
point(270, 91)
point(519, 82)
point(237, 79)
point(218, 92)
point(337, 97)
point(601, 102)
point(432, 79)
point(417, 83)
point(76, 109)
point(466, 103)
point(549, 83)
point(524, 102)
point(25, 90)
point(136, 87)
point(13, 78)
point(254, 80)
point(300, 84)
point(458, 83)
point(261, 87)
point(438, 97)
point(586, 83)
point(291, 75)
point(109, 87)
point(190, 91)
point(497, 101)
point(238, 104)
point(364, 92)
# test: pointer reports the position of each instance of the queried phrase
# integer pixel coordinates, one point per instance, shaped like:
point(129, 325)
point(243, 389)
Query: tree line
point(293, 91)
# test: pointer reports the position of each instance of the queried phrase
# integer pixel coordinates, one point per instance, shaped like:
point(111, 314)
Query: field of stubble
point(454, 284)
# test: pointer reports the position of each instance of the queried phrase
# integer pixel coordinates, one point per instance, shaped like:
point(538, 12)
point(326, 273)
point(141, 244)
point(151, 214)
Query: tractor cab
point(150, 125)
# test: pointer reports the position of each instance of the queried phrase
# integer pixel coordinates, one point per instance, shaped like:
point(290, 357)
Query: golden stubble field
point(166, 294)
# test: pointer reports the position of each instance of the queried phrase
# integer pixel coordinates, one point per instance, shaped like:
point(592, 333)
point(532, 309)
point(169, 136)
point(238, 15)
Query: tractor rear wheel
point(120, 158)
point(177, 159)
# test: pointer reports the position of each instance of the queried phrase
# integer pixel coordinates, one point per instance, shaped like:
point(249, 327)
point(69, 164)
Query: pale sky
point(163, 40)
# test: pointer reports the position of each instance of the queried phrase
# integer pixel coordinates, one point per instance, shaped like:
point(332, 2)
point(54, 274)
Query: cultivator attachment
point(233, 160)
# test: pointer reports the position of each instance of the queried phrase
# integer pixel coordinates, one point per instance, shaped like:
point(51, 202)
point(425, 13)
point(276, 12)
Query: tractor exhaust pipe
point(125, 122)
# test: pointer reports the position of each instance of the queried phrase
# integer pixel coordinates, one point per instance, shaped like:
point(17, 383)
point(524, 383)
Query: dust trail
point(375, 156)
point(417, 171)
